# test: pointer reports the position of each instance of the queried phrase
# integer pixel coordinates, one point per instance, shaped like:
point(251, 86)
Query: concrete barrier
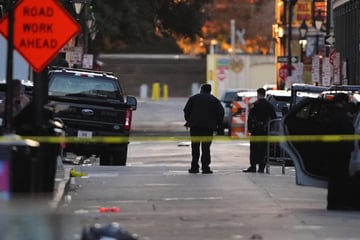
point(144, 91)
point(165, 92)
point(155, 95)
point(195, 87)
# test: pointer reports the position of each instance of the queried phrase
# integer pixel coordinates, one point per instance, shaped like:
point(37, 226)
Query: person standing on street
point(203, 114)
point(339, 191)
point(261, 112)
point(20, 99)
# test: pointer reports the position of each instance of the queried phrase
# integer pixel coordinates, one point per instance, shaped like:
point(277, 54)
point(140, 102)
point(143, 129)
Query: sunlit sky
point(20, 68)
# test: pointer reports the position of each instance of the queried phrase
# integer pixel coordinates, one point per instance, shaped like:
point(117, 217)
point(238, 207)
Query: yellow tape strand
point(119, 140)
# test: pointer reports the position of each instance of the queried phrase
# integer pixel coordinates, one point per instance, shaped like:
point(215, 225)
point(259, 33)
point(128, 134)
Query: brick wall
point(178, 72)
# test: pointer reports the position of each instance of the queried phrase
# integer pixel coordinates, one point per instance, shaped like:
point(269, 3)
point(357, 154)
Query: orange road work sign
point(41, 29)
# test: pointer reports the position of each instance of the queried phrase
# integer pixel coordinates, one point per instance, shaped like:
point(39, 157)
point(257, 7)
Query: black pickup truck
point(91, 105)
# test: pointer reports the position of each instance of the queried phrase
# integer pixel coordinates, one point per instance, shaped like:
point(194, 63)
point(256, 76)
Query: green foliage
point(125, 20)
point(184, 18)
point(124, 24)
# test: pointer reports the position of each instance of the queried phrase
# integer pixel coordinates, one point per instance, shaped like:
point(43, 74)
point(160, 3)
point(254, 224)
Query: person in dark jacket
point(341, 123)
point(261, 112)
point(204, 114)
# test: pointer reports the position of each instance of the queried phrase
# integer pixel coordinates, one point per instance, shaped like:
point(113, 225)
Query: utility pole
point(291, 4)
point(329, 24)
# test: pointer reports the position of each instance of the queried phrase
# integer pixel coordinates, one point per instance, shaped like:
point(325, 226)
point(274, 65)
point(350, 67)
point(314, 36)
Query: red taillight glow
point(128, 116)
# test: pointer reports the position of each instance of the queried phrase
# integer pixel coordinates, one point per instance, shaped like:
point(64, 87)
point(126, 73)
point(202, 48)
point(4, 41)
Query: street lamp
point(1, 9)
point(281, 32)
point(90, 22)
point(93, 33)
point(213, 44)
point(302, 32)
point(78, 5)
point(318, 21)
point(86, 17)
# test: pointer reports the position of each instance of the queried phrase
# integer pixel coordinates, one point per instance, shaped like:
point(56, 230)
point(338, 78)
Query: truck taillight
point(128, 115)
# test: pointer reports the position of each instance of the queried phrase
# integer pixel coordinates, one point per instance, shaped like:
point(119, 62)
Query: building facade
point(300, 49)
point(346, 17)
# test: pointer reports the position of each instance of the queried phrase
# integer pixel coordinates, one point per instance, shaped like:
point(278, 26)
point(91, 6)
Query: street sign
point(285, 59)
point(330, 40)
point(326, 71)
point(222, 73)
point(315, 69)
point(283, 71)
point(41, 29)
point(88, 61)
point(332, 56)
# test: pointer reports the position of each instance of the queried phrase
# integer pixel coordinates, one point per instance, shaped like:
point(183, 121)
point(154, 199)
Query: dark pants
point(258, 152)
point(338, 195)
point(201, 137)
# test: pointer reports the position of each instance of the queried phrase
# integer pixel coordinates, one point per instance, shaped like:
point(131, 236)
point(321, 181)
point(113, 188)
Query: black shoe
point(207, 172)
point(191, 170)
point(261, 170)
point(340, 207)
point(250, 169)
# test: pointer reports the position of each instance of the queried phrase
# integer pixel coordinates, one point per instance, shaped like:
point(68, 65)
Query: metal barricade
point(239, 115)
point(275, 155)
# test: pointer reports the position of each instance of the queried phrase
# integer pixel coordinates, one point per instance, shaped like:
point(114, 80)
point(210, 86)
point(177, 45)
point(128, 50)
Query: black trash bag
point(111, 231)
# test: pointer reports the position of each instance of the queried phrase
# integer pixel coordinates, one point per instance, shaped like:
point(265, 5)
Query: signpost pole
point(47, 18)
point(39, 100)
point(289, 38)
point(328, 23)
point(44, 168)
point(9, 68)
point(291, 6)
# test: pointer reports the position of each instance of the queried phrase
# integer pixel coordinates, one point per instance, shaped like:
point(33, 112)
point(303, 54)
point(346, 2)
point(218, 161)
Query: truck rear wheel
point(117, 157)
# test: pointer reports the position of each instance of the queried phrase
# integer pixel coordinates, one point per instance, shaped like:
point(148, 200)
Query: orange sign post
point(41, 29)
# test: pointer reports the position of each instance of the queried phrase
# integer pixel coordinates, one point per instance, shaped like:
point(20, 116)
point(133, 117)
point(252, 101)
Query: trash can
point(42, 159)
point(27, 166)
point(5, 154)
point(17, 169)
point(23, 167)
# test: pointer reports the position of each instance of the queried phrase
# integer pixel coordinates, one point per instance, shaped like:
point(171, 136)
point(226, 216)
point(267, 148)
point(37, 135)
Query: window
point(65, 85)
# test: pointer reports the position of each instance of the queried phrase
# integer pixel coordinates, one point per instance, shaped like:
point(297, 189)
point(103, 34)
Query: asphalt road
point(161, 117)
point(159, 200)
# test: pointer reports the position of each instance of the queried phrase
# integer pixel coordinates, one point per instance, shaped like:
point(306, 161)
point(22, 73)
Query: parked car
point(92, 104)
point(280, 99)
point(300, 91)
point(310, 117)
point(227, 100)
point(27, 85)
point(270, 86)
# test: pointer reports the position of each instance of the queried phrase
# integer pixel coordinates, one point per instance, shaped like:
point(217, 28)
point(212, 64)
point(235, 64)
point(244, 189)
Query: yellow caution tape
point(119, 140)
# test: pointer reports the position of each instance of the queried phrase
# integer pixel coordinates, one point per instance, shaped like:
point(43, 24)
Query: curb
point(60, 188)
